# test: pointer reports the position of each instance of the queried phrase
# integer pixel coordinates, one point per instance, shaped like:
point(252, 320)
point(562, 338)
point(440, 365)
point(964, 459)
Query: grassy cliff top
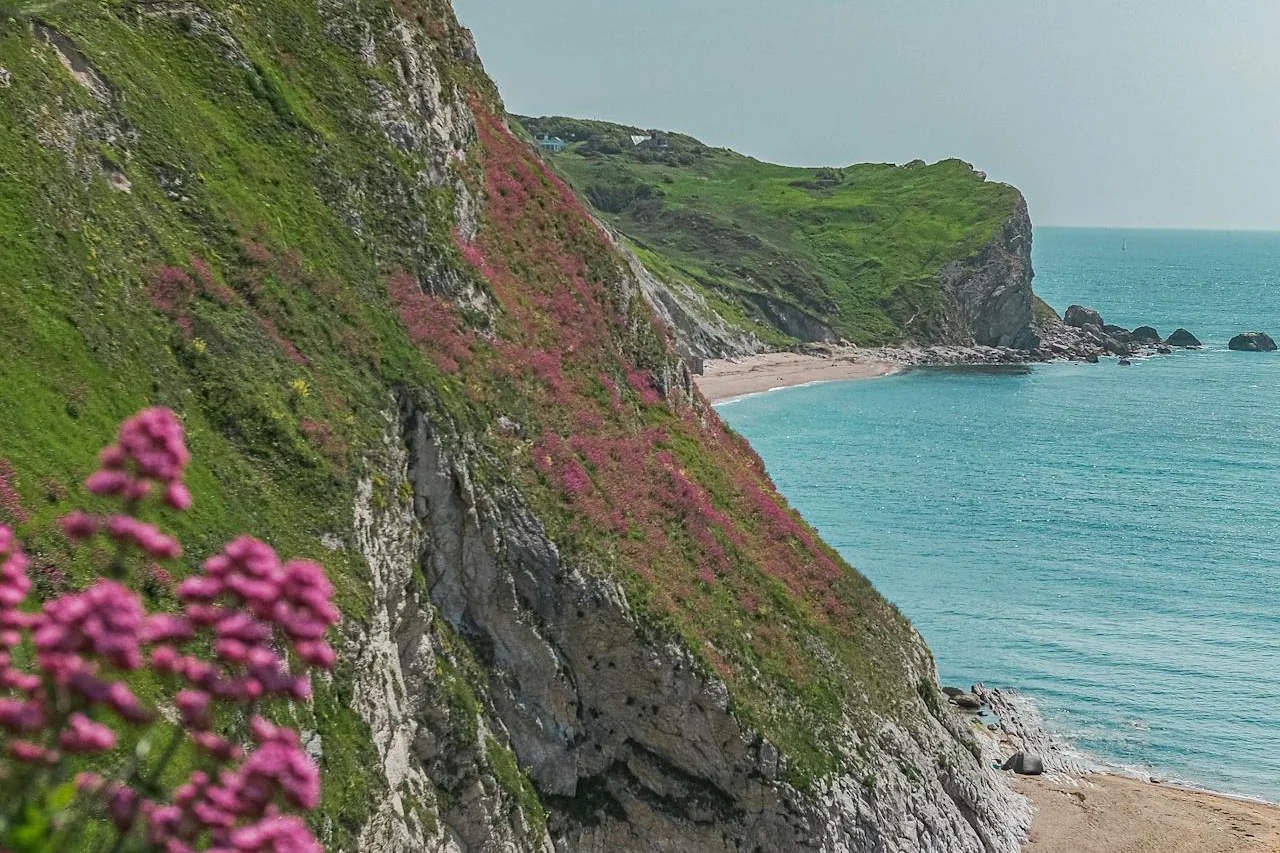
point(858, 247)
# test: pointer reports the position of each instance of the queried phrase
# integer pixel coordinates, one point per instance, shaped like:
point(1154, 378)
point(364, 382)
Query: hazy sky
point(1104, 112)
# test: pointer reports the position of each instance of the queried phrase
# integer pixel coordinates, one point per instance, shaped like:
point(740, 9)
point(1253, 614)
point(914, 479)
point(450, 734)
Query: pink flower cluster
point(239, 810)
point(246, 605)
point(150, 450)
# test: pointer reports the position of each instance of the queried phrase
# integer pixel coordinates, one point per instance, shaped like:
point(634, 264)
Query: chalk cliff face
point(983, 300)
point(578, 617)
point(989, 296)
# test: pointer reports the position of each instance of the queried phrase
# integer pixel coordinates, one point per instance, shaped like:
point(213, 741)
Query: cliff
point(577, 616)
point(874, 253)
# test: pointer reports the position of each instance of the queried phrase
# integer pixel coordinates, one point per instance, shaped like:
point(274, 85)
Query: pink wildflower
point(126, 528)
point(278, 834)
point(104, 620)
point(79, 526)
point(84, 735)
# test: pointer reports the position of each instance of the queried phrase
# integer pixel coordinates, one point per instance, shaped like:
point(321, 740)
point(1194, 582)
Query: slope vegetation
point(788, 253)
point(577, 614)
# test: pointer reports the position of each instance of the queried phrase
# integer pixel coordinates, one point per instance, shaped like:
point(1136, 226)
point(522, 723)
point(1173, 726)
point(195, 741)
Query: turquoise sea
point(1104, 538)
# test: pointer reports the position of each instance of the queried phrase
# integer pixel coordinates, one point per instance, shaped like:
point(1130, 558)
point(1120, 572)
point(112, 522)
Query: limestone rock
point(1024, 764)
point(991, 295)
point(1252, 342)
point(1080, 316)
point(1146, 335)
point(1184, 339)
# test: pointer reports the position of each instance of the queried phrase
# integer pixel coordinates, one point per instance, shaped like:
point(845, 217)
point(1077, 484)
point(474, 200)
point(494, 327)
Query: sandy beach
point(724, 379)
point(1114, 814)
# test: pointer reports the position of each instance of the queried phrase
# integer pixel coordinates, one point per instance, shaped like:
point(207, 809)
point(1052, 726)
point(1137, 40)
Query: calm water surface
point(1105, 538)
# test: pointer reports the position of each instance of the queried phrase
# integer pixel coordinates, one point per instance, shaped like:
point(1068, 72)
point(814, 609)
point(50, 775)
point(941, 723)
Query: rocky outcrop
point(632, 746)
point(1252, 342)
point(1184, 339)
point(442, 794)
point(1146, 335)
point(1080, 316)
point(697, 328)
point(989, 296)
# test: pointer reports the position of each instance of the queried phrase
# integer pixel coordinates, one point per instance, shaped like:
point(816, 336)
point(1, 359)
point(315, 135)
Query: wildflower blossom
point(245, 603)
point(84, 735)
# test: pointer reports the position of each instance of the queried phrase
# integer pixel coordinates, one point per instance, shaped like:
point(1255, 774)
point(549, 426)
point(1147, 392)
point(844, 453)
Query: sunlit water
point(1105, 538)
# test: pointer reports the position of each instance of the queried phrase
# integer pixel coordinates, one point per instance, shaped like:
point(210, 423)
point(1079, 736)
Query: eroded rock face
point(1252, 342)
point(630, 745)
point(991, 296)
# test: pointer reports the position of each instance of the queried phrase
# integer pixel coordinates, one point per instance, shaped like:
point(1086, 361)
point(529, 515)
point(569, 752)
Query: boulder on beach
point(952, 692)
point(967, 700)
point(1183, 338)
point(1252, 342)
point(1145, 335)
point(1080, 316)
point(1024, 764)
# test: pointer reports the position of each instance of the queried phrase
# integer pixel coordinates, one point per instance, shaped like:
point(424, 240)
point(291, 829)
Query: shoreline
point(725, 379)
point(1082, 805)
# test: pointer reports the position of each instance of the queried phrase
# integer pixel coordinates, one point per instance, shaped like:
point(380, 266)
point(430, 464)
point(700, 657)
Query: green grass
point(858, 248)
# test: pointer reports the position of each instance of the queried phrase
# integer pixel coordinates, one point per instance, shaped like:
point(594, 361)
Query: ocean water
point(1104, 538)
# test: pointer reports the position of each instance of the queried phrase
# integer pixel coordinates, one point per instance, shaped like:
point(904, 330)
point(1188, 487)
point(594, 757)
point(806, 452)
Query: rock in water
point(952, 692)
point(1183, 338)
point(1120, 333)
point(1124, 362)
point(1252, 342)
point(1080, 316)
point(1164, 350)
point(1024, 764)
point(967, 700)
point(1145, 335)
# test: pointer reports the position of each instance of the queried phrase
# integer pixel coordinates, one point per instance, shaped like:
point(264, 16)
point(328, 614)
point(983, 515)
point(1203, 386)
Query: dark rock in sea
point(1124, 362)
point(968, 701)
point(1024, 764)
point(1092, 358)
point(1164, 350)
point(1120, 333)
point(1145, 335)
point(952, 692)
point(1080, 316)
point(1252, 342)
point(1183, 338)
point(1115, 347)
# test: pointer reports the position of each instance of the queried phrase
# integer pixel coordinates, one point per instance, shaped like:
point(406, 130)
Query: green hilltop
point(857, 249)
